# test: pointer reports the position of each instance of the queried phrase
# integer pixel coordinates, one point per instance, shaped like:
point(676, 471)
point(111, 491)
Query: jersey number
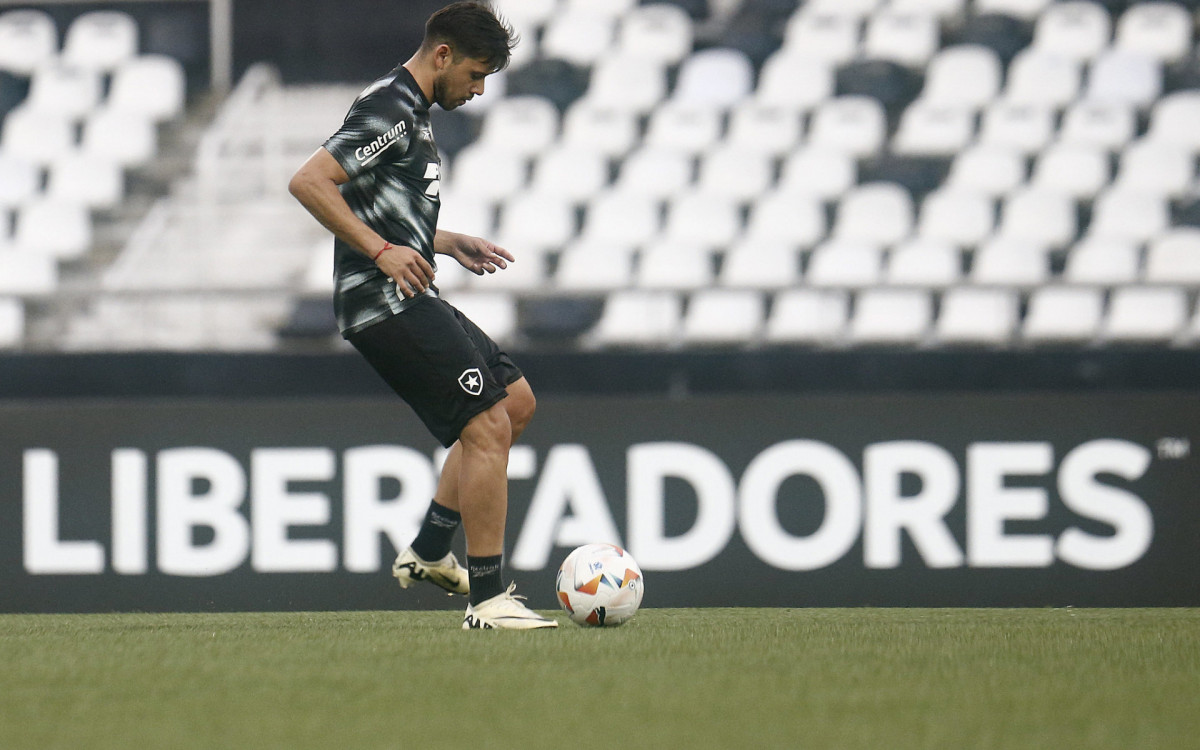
point(433, 173)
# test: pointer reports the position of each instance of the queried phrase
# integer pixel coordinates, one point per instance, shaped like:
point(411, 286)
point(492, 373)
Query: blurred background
point(935, 177)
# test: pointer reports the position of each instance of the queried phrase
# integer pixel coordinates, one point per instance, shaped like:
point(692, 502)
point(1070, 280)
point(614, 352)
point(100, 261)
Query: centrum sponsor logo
point(370, 152)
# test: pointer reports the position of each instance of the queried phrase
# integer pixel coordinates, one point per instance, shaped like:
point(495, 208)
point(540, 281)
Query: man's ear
point(443, 55)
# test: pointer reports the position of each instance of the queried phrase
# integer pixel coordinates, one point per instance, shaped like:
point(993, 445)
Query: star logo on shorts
point(471, 381)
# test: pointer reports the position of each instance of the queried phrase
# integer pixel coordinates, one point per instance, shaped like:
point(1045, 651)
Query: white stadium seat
point(735, 172)
point(854, 125)
point(1173, 120)
point(958, 217)
point(760, 265)
point(655, 172)
point(808, 316)
point(1078, 171)
point(907, 38)
point(891, 316)
point(1009, 262)
point(990, 170)
point(1105, 125)
point(638, 318)
point(20, 180)
point(794, 81)
point(576, 173)
point(789, 218)
point(924, 263)
point(629, 84)
point(87, 180)
point(593, 266)
point(833, 38)
point(119, 136)
point(1040, 79)
point(1076, 29)
point(1145, 314)
point(877, 212)
point(28, 39)
point(537, 220)
point(934, 130)
point(845, 263)
point(976, 315)
point(659, 32)
point(1129, 214)
point(61, 230)
point(717, 78)
point(1159, 30)
point(12, 323)
point(621, 217)
point(1163, 169)
point(964, 75)
point(1124, 78)
point(1040, 217)
point(769, 130)
point(27, 274)
point(1020, 127)
point(687, 127)
point(523, 124)
point(1026, 10)
point(824, 173)
point(62, 89)
point(723, 317)
point(488, 172)
point(1174, 257)
point(149, 85)
point(606, 130)
point(101, 40)
point(1103, 261)
point(702, 219)
point(494, 312)
point(1063, 314)
point(578, 35)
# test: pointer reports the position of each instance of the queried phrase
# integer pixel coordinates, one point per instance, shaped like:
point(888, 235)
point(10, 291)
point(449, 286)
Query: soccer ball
point(599, 585)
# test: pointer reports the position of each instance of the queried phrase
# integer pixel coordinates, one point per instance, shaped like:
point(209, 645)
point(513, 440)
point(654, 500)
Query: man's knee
point(488, 430)
point(520, 405)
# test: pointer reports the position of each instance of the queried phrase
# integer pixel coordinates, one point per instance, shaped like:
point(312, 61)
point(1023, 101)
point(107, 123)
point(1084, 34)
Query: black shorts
point(440, 363)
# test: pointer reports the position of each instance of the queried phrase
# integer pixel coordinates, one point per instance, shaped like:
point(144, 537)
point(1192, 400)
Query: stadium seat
point(819, 172)
point(638, 318)
point(1039, 79)
point(889, 83)
point(537, 220)
point(1003, 34)
point(890, 316)
point(755, 264)
point(1145, 314)
point(60, 89)
point(833, 38)
point(736, 172)
point(1008, 262)
point(12, 323)
point(495, 313)
point(87, 180)
point(527, 14)
point(976, 315)
point(605, 130)
point(853, 125)
point(1128, 214)
point(28, 40)
point(628, 84)
point(1155, 167)
point(723, 317)
point(908, 38)
point(466, 212)
point(878, 212)
point(924, 263)
point(717, 78)
point(687, 127)
point(1159, 30)
point(593, 266)
point(607, 8)
point(579, 35)
point(100, 40)
point(621, 217)
point(851, 8)
point(60, 230)
point(1174, 257)
point(1103, 261)
point(958, 217)
point(845, 263)
point(702, 219)
point(1173, 120)
point(990, 170)
point(792, 80)
point(1039, 217)
point(658, 32)
point(1124, 78)
point(962, 75)
point(1020, 127)
point(933, 130)
point(27, 274)
point(119, 136)
point(20, 180)
point(656, 172)
point(1077, 30)
point(574, 172)
point(1026, 10)
point(1077, 171)
point(940, 9)
point(769, 130)
point(1098, 124)
point(525, 125)
point(529, 274)
point(489, 173)
point(807, 316)
point(795, 219)
point(1060, 314)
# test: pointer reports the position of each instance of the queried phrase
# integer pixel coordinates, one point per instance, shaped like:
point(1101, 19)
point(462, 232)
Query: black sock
point(437, 531)
point(484, 573)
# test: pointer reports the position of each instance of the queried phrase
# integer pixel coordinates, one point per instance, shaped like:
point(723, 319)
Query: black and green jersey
point(386, 147)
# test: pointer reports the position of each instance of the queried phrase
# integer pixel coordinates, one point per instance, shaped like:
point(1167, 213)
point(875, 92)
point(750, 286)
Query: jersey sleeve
point(375, 131)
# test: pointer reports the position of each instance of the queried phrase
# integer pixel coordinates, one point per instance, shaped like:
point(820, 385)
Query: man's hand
point(474, 254)
point(408, 268)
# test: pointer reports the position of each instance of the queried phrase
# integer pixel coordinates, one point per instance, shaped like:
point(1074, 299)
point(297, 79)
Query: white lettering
point(45, 552)
point(370, 152)
point(922, 515)
point(648, 466)
point(990, 504)
point(275, 509)
point(1125, 512)
point(759, 495)
point(185, 505)
point(368, 514)
point(129, 511)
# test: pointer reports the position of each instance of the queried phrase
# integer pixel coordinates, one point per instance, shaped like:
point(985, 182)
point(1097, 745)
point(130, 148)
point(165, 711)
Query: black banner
point(826, 500)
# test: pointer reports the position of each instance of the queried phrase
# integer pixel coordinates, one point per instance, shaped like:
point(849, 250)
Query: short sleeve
point(375, 130)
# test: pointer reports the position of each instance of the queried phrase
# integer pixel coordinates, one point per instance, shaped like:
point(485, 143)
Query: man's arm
point(315, 185)
point(475, 254)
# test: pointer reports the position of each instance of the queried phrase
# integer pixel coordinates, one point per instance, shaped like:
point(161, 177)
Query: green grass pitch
point(671, 678)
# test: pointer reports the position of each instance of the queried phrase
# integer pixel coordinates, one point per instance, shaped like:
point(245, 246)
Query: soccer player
point(374, 185)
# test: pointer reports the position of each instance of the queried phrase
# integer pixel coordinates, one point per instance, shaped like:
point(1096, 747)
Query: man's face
point(458, 82)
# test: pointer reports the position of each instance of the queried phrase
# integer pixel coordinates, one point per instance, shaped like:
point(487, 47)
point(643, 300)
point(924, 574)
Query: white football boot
point(446, 572)
point(504, 612)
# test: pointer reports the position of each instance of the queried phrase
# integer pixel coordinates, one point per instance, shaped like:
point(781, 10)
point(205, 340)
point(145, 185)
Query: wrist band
point(386, 246)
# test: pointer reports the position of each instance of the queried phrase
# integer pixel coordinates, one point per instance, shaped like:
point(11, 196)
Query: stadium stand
point(831, 173)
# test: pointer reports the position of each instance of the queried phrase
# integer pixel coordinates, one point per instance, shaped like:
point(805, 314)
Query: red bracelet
point(386, 246)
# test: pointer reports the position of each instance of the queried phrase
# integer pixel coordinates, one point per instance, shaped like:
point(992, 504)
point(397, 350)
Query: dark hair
point(472, 29)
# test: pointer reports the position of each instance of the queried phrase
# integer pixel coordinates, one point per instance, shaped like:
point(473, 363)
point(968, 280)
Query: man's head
point(465, 42)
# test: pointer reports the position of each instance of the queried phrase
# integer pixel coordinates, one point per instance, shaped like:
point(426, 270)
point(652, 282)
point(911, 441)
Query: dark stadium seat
point(557, 80)
point(893, 85)
point(1004, 34)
